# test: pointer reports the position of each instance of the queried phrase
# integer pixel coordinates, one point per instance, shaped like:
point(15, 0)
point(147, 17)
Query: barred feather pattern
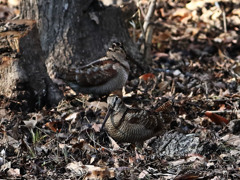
point(136, 125)
point(101, 76)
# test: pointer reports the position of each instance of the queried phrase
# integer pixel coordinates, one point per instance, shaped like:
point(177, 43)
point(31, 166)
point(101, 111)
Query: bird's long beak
point(110, 110)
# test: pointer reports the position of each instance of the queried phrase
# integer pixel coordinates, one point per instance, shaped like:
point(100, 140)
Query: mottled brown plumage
point(102, 76)
point(136, 125)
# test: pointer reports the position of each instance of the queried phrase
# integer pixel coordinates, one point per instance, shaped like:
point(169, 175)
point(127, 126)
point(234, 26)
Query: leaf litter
point(195, 62)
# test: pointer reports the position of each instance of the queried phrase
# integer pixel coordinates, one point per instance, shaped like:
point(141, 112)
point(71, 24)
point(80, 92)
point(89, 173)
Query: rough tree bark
point(24, 81)
point(76, 32)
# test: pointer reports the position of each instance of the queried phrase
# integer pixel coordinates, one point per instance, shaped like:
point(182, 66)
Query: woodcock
point(136, 125)
point(102, 76)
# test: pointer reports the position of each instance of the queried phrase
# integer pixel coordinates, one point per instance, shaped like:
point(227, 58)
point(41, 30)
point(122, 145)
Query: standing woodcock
point(136, 125)
point(102, 76)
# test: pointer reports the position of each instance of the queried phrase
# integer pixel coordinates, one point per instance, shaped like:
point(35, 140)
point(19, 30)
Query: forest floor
point(196, 62)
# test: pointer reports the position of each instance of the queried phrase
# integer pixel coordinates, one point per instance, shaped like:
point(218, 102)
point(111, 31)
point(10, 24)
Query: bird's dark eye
point(115, 101)
point(119, 44)
point(114, 45)
point(6, 14)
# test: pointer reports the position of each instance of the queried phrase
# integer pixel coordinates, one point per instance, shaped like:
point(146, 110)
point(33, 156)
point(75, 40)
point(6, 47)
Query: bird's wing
point(93, 74)
point(167, 111)
point(148, 119)
point(154, 120)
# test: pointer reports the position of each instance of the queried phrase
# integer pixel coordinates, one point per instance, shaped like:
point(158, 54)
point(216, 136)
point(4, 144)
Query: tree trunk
point(23, 76)
point(76, 32)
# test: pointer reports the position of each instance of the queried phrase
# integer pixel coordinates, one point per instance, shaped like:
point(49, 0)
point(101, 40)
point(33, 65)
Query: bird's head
point(114, 102)
point(117, 52)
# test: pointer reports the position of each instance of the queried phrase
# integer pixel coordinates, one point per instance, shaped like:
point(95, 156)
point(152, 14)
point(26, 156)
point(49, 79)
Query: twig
point(109, 150)
point(224, 17)
point(134, 30)
point(148, 42)
point(142, 11)
point(206, 89)
point(226, 111)
point(224, 21)
point(149, 15)
point(148, 30)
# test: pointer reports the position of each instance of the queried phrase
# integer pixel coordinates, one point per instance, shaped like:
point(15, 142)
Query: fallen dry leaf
point(114, 144)
point(217, 119)
point(90, 171)
point(54, 126)
point(163, 85)
point(147, 77)
point(13, 172)
point(30, 123)
point(97, 127)
point(232, 139)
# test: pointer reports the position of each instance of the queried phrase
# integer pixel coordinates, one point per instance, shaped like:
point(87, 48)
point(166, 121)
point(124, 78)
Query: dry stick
point(224, 21)
point(109, 150)
point(141, 38)
point(148, 35)
point(224, 17)
point(148, 42)
point(225, 111)
point(206, 89)
point(134, 30)
point(149, 15)
point(148, 30)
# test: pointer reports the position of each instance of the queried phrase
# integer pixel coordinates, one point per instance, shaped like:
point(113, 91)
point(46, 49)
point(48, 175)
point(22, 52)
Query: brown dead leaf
point(222, 107)
point(90, 171)
point(76, 168)
point(114, 144)
point(177, 162)
point(217, 119)
point(99, 173)
point(236, 11)
point(72, 117)
point(236, 70)
point(229, 37)
point(131, 160)
point(160, 55)
point(147, 77)
point(96, 127)
point(93, 158)
point(10, 141)
point(139, 156)
point(161, 36)
point(83, 145)
point(13, 172)
point(182, 12)
point(195, 4)
point(3, 130)
point(54, 126)
point(187, 177)
point(97, 105)
point(232, 139)
point(30, 124)
point(163, 85)
point(5, 166)
point(143, 174)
